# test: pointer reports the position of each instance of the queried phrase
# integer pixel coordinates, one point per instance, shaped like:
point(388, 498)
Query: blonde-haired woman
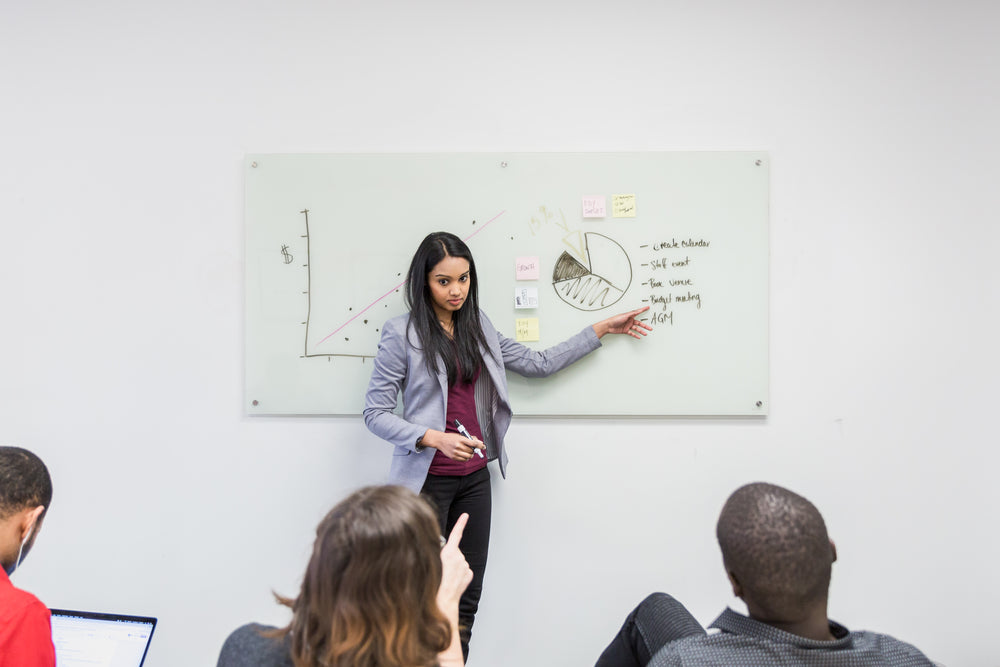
point(379, 591)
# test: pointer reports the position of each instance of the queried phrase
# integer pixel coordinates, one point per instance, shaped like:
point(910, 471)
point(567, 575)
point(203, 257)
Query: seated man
point(25, 494)
point(778, 558)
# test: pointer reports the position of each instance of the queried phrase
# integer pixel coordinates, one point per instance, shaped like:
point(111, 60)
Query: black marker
point(465, 432)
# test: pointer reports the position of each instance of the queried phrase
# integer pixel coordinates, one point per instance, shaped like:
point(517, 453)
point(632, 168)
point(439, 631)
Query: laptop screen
point(103, 640)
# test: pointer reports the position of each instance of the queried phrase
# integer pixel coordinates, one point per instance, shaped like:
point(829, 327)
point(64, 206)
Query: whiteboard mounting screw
point(503, 165)
point(760, 404)
point(253, 164)
point(255, 403)
point(759, 162)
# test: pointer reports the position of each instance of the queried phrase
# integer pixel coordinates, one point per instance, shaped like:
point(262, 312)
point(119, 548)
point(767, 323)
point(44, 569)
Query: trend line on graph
point(378, 300)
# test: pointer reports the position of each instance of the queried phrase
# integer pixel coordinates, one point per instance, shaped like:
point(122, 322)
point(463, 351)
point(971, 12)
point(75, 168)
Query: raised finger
point(458, 529)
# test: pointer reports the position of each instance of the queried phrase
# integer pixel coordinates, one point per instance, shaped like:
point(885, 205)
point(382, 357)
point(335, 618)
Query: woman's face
point(449, 282)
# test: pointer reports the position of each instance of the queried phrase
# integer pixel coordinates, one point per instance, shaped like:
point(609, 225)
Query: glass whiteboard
point(561, 240)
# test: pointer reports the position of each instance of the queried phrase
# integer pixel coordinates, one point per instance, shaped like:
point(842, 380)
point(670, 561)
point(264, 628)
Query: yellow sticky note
point(526, 329)
point(623, 206)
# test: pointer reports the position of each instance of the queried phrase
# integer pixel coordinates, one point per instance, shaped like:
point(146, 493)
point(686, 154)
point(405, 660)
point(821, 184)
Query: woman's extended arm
point(531, 363)
point(623, 323)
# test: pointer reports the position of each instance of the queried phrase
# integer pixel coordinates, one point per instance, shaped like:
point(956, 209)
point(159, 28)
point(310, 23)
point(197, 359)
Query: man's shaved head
point(774, 543)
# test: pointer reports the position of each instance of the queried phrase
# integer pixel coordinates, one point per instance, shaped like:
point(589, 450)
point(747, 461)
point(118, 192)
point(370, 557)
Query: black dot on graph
point(350, 309)
point(366, 321)
point(473, 222)
point(346, 338)
point(398, 274)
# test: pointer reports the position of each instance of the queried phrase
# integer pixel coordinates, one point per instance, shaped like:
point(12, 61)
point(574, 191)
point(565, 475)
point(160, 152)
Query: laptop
point(105, 640)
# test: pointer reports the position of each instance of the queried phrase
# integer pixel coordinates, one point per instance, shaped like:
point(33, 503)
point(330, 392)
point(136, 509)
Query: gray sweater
point(245, 647)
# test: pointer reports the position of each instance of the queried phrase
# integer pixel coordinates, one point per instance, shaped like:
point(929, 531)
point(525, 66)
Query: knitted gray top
point(245, 647)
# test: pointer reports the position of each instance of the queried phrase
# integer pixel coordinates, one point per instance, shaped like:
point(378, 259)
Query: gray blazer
point(399, 366)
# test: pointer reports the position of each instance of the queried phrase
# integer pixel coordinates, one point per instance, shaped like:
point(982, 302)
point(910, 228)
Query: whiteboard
point(329, 238)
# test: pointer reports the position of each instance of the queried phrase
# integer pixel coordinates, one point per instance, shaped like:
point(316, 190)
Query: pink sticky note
point(595, 206)
point(526, 268)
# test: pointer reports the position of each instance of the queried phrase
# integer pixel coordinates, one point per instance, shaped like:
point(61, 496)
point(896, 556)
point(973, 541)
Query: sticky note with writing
point(526, 297)
point(624, 206)
point(526, 329)
point(526, 268)
point(595, 206)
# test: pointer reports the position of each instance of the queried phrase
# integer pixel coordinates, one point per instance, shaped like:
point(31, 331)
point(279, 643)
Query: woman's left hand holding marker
point(456, 447)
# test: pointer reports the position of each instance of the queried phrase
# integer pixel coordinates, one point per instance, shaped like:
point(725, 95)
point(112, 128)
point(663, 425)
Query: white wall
point(122, 127)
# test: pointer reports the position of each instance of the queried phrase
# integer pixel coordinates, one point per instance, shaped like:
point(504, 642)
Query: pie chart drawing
point(599, 283)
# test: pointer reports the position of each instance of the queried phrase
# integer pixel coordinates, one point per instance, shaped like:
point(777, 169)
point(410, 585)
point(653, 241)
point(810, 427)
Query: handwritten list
point(672, 286)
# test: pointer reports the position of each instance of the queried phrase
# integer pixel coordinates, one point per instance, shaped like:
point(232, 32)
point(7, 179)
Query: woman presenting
point(449, 362)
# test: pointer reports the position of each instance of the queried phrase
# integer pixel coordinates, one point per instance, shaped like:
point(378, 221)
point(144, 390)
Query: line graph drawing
point(598, 281)
point(322, 348)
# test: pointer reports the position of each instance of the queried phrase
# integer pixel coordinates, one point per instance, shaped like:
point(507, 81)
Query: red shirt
point(25, 628)
point(461, 406)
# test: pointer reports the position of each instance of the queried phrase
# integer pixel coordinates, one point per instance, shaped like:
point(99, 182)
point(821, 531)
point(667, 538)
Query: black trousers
point(453, 496)
point(657, 621)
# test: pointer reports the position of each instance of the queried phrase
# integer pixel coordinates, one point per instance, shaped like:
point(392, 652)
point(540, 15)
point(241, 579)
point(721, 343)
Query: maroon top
point(461, 406)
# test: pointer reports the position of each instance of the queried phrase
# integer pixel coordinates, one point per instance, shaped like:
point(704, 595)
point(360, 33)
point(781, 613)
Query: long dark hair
point(369, 594)
point(462, 350)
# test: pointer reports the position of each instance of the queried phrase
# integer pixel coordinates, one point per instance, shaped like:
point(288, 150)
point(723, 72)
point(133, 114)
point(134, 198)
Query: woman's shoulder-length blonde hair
point(369, 594)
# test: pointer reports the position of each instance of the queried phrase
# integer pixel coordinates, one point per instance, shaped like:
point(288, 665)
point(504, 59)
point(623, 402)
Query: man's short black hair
point(24, 481)
point(775, 543)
